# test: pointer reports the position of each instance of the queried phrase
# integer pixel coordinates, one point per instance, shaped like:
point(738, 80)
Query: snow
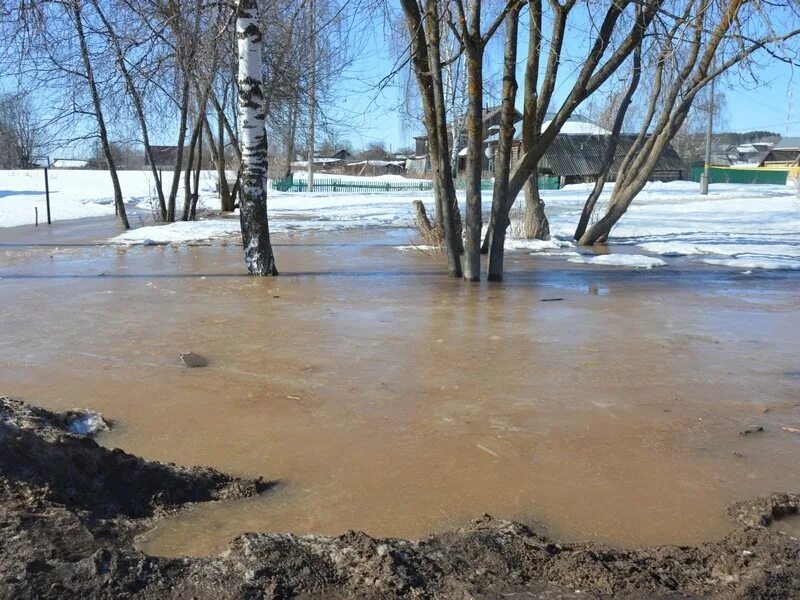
point(638, 261)
point(579, 128)
point(180, 232)
point(537, 245)
point(77, 194)
point(738, 226)
point(69, 163)
point(420, 247)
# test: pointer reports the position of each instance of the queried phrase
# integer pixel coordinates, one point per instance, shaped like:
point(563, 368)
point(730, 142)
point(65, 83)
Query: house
point(375, 167)
point(786, 153)
point(578, 158)
point(340, 154)
point(491, 124)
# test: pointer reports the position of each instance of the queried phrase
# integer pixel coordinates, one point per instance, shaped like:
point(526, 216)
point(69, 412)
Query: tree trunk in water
point(613, 142)
point(494, 241)
point(98, 111)
point(440, 155)
point(253, 210)
point(536, 227)
point(472, 258)
point(588, 207)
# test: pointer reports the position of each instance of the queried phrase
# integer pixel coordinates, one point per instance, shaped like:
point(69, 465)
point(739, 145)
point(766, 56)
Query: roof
point(582, 155)
point(492, 111)
point(783, 156)
point(575, 125)
point(788, 142)
point(378, 163)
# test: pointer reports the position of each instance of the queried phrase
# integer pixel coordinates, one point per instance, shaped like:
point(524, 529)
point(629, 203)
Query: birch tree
point(258, 254)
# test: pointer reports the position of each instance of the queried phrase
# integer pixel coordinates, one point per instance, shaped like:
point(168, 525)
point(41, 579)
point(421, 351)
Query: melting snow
point(638, 261)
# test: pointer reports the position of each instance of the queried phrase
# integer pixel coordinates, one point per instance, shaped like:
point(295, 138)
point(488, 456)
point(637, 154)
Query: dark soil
point(69, 509)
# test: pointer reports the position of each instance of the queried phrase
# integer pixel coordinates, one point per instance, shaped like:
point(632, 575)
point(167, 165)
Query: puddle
point(388, 398)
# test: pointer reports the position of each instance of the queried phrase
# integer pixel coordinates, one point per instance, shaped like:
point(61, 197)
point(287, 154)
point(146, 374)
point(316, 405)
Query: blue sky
point(771, 104)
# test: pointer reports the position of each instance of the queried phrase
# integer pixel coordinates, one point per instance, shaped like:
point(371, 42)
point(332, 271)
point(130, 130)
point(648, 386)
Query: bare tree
point(613, 142)
point(612, 44)
point(88, 72)
point(424, 28)
point(703, 41)
point(21, 132)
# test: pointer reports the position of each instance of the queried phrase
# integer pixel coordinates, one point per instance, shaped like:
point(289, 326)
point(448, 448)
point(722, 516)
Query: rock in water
point(192, 360)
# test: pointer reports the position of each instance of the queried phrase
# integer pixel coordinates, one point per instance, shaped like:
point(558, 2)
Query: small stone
point(192, 360)
point(758, 429)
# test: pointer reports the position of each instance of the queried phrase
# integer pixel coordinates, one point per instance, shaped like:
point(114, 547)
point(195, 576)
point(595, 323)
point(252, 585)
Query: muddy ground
point(69, 509)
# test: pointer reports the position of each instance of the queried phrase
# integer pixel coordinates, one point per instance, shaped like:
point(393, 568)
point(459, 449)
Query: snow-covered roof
point(574, 126)
point(69, 163)
point(378, 163)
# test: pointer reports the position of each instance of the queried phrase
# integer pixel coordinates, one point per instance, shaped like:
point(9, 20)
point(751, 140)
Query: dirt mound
point(68, 508)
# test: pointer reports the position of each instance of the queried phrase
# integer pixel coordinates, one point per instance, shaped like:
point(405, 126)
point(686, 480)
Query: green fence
point(734, 175)
point(546, 182)
point(549, 182)
point(350, 185)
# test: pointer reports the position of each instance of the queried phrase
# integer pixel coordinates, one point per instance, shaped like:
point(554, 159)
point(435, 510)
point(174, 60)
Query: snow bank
point(755, 262)
point(78, 194)
point(180, 232)
point(638, 261)
point(738, 226)
point(734, 226)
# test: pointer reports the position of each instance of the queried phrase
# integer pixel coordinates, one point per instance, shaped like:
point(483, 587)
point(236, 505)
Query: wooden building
point(578, 158)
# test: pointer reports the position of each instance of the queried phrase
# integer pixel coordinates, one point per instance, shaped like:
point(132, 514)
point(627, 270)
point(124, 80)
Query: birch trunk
point(253, 209)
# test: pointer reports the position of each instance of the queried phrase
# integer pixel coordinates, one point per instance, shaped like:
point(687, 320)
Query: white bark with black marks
point(253, 141)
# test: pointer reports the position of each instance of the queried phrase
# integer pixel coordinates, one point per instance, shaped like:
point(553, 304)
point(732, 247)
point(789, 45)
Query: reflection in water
point(389, 398)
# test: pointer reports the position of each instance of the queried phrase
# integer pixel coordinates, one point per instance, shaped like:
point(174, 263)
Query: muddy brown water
point(387, 398)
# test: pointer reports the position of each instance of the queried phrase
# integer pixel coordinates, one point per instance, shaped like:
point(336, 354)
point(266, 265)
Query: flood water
point(385, 397)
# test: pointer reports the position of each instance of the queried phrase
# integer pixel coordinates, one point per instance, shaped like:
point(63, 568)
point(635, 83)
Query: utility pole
point(705, 179)
point(312, 95)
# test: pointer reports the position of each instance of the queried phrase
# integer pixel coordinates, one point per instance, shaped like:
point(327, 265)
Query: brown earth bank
point(69, 509)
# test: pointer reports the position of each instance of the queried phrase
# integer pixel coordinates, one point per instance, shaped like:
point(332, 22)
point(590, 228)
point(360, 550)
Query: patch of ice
point(421, 247)
point(86, 422)
point(537, 245)
point(637, 261)
point(673, 248)
point(756, 262)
